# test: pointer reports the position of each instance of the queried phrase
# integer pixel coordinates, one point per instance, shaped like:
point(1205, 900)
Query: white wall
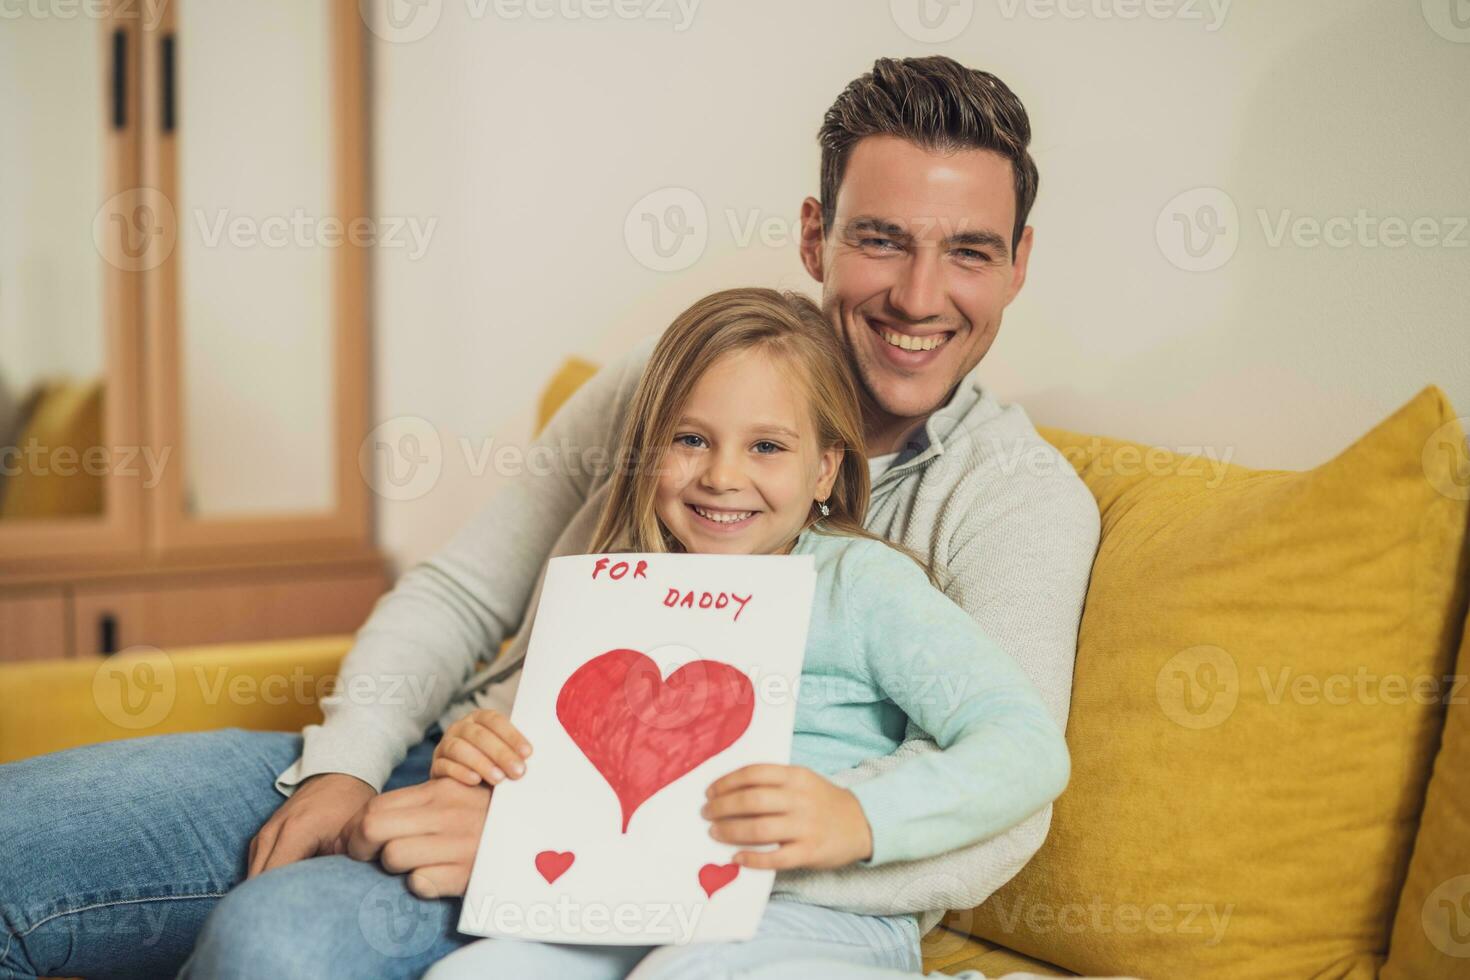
point(529, 139)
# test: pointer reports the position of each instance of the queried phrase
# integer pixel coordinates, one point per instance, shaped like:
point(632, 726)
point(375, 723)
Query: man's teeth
point(914, 343)
point(724, 516)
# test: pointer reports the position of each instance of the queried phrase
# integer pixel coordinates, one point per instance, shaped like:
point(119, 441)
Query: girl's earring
point(826, 511)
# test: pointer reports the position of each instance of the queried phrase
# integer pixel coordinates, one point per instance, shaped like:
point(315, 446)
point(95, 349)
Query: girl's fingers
point(500, 725)
point(759, 774)
point(497, 750)
point(452, 769)
point(755, 830)
point(472, 757)
point(784, 857)
point(747, 803)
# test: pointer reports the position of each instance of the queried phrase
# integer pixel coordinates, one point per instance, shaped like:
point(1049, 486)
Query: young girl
point(745, 435)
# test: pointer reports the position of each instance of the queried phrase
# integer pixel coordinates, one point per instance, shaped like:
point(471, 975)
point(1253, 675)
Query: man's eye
point(883, 244)
point(774, 447)
point(971, 255)
point(679, 440)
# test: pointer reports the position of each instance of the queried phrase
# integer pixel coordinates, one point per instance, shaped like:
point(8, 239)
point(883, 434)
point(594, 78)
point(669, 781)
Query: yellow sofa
point(1269, 725)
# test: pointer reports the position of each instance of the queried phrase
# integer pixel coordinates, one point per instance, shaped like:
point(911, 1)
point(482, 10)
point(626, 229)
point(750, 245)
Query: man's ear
point(1018, 267)
point(812, 241)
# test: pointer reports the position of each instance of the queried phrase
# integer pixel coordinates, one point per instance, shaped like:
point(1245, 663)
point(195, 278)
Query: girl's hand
point(482, 745)
point(816, 823)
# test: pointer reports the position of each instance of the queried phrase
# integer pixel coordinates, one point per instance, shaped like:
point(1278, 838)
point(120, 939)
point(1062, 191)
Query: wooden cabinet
point(183, 328)
point(33, 625)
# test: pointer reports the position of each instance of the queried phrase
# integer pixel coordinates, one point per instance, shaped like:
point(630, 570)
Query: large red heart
point(643, 732)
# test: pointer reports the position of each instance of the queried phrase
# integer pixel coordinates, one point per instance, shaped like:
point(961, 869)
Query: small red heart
point(552, 864)
point(713, 877)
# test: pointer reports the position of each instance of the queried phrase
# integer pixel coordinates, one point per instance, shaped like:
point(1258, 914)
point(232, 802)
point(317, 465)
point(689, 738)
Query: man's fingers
point(439, 881)
point(759, 774)
point(382, 824)
point(260, 848)
point(289, 848)
point(404, 854)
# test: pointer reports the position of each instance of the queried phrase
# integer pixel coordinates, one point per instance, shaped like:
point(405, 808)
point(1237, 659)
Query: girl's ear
point(828, 465)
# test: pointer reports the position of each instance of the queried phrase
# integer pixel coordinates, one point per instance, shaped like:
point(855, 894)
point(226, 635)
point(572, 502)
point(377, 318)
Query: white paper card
point(648, 677)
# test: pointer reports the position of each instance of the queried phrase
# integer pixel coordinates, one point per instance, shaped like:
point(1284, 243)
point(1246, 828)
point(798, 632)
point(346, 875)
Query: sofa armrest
point(271, 686)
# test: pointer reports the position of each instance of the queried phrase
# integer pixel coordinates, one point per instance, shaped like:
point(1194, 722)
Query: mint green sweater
point(885, 647)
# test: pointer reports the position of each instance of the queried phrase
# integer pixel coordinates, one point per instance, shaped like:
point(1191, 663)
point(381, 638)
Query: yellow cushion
point(65, 425)
point(1431, 933)
point(1250, 743)
point(950, 952)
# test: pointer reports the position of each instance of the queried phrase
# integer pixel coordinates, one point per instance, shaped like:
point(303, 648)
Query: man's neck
point(890, 434)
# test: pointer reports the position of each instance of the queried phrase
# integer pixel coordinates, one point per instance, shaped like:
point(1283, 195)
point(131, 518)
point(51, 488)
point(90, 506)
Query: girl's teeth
point(723, 517)
point(914, 343)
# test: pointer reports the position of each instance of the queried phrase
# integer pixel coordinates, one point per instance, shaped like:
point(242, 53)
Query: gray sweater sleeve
point(423, 639)
point(1020, 567)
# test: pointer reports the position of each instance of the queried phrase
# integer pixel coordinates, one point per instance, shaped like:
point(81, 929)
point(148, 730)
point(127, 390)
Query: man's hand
point(429, 832)
point(816, 823)
point(309, 822)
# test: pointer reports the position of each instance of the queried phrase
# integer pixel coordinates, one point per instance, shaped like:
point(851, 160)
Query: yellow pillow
point(1254, 711)
point(1431, 933)
point(59, 473)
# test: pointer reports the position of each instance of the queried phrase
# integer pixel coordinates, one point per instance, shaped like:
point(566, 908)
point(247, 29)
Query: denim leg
point(323, 918)
point(113, 855)
point(512, 959)
point(791, 930)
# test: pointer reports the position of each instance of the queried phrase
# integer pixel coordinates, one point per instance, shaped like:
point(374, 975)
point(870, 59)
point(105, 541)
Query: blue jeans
point(113, 856)
point(839, 940)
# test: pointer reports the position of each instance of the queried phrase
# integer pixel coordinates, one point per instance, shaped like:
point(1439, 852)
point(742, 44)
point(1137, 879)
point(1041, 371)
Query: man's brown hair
point(938, 104)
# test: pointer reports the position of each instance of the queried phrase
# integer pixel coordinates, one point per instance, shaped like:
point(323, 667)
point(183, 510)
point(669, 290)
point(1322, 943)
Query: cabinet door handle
point(119, 79)
point(166, 71)
point(107, 634)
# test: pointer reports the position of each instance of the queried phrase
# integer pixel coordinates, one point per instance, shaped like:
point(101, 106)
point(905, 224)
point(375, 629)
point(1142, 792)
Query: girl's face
point(744, 468)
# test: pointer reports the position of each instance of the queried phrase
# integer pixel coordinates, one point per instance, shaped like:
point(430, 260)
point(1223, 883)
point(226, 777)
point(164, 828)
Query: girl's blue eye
point(679, 440)
point(765, 442)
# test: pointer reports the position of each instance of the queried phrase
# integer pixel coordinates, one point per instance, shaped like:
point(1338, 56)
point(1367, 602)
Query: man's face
point(916, 271)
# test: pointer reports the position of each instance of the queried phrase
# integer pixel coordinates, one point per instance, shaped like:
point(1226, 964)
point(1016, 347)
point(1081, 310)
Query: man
point(919, 240)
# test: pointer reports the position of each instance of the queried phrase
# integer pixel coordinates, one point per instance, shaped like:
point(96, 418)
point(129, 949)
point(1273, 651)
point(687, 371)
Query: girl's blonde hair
point(792, 330)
